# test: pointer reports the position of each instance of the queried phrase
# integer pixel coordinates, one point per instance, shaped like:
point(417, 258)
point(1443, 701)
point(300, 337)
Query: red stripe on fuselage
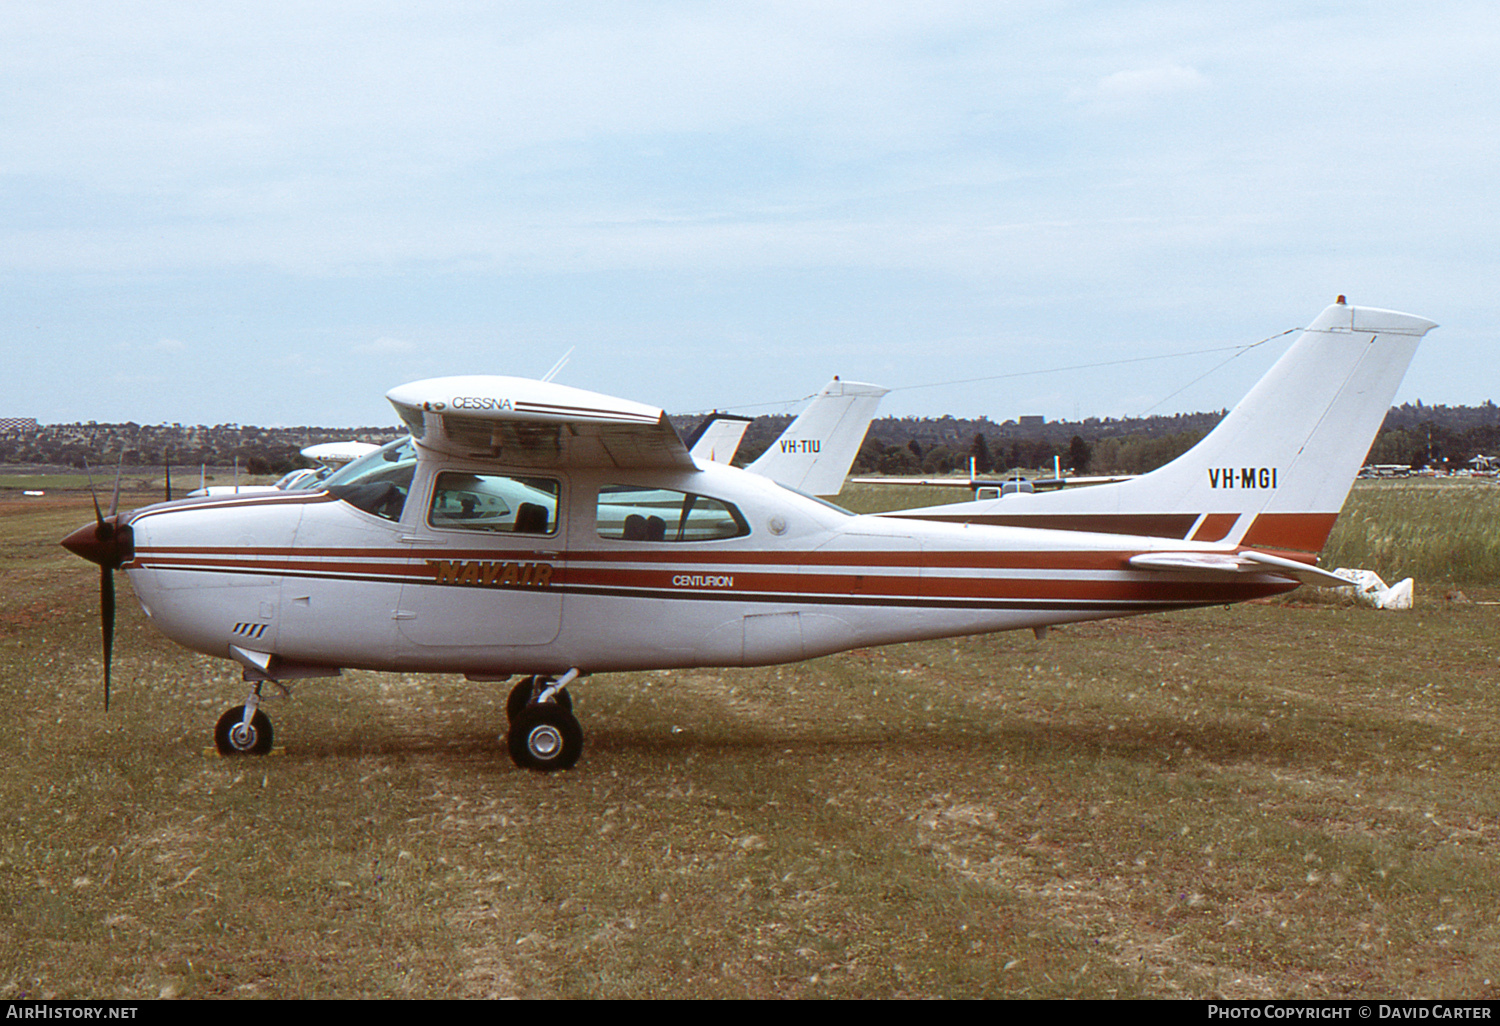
point(916, 577)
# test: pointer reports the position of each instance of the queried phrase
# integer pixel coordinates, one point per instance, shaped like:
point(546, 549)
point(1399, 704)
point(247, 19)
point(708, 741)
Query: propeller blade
point(114, 503)
point(109, 543)
point(107, 622)
point(98, 515)
point(169, 474)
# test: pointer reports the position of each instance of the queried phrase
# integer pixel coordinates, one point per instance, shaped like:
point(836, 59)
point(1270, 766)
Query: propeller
point(109, 542)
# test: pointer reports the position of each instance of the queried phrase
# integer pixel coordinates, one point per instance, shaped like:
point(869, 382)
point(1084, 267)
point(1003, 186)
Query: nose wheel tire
point(233, 736)
point(545, 737)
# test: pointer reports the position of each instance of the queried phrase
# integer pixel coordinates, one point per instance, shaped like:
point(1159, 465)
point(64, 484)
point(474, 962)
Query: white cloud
point(667, 173)
point(383, 346)
point(1148, 82)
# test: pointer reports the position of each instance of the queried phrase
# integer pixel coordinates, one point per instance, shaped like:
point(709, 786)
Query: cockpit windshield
point(302, 480)
point(378, 482)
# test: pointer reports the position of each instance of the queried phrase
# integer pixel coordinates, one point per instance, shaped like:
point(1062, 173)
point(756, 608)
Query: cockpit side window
point(378, 483)
point(500, 503)
point(632, 513)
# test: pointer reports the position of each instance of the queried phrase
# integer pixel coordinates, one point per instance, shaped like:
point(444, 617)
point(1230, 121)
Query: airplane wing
point(537, 423)
point(336, 454)
point(919, 482)
point(1244, 562)
point(973, 483)
point(1070, 482)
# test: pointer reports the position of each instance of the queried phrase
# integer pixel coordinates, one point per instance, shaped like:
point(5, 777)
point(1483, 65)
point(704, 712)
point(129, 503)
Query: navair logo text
point(1244, 477)
point(703, 581)
point(480, 402)
point(486, 573)
point(802, 446)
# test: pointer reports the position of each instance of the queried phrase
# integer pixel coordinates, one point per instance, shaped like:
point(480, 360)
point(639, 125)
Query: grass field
point(1271, 800)
point(138, 486)
point(1432, 529)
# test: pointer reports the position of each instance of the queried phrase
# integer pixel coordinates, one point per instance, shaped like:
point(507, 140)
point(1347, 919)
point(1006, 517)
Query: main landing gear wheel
point(520, 698)
point(545, 737)
point(233, 736)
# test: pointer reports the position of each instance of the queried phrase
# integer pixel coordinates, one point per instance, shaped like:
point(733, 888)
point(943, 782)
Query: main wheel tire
point(231, 737)
point(545, 738)
point(520, 698)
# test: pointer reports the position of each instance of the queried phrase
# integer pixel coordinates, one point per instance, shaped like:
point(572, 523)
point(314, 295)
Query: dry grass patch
point(1271, 800)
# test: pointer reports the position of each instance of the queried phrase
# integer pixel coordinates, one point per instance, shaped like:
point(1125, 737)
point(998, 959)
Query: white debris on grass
point(1369, 590)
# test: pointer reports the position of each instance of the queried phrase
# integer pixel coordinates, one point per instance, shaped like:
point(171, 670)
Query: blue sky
point(272, 213)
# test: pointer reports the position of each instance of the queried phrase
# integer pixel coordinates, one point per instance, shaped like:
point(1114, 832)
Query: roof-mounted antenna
point(559, 365)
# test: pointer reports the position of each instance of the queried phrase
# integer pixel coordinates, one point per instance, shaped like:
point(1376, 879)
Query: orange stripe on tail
point(1295, 532)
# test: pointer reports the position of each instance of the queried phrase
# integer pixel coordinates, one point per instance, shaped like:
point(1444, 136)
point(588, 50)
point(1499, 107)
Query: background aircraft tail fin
point(815, 452)
point(717, 439)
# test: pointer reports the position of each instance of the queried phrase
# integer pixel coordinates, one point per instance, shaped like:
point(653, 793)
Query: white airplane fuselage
point(316, 582)
point(531, 528)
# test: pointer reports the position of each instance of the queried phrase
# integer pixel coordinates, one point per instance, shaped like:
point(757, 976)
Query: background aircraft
point(718, 438)
point(814, 453)
point(329, 455)
point(994, 487)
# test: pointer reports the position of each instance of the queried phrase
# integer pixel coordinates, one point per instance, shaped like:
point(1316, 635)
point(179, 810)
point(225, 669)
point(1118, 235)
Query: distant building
point(17, 424)
point(1032, 421)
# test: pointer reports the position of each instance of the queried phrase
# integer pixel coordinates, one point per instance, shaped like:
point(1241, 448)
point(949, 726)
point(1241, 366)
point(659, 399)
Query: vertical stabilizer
point(717, 439)
point(1274, 472)
point(815, 452)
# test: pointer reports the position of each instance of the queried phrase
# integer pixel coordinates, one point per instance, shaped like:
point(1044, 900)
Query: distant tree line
point(1413, 434)
point(257, 450)
point(1440, 437)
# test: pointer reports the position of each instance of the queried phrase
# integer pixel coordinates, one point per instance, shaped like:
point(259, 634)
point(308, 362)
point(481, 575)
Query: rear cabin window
point(497, 503)
point(630, 513)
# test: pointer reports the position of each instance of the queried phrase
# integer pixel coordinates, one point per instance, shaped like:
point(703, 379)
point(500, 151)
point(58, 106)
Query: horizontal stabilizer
point(1235, 563)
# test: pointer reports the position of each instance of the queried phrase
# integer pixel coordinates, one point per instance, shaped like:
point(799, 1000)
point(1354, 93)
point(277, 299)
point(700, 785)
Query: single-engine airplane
point(528, 528)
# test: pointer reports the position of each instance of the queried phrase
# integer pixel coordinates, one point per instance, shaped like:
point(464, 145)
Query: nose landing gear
point(243, 730)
